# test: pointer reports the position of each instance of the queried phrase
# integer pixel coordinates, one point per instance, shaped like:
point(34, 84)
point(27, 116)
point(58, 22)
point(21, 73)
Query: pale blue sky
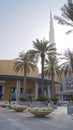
point(22, 21)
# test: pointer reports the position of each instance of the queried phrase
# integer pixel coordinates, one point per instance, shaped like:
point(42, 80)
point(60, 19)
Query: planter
point(69, 109)
point(54, 106)
point(27, 103)
point(4, 105)
point(54, 100)
point(72, 116)
point(41, 112)
point(38, 104)
point(18, 108)
point(24, 101)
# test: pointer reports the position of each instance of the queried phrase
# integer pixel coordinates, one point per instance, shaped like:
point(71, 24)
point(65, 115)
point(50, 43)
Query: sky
point(24, 21)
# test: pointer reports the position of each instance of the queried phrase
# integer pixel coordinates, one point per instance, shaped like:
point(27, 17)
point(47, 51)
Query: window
point(21, 90)
point(12, 94)
point(13, 90)
point(29, 91)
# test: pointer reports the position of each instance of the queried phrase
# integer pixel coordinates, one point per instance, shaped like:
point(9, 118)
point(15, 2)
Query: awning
point(66, 92)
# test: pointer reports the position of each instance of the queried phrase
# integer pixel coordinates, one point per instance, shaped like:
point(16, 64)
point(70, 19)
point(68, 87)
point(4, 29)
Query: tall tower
point(51, 32)
point(52, 40)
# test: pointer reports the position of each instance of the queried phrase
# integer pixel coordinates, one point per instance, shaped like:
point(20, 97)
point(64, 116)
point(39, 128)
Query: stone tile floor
point(57, 120)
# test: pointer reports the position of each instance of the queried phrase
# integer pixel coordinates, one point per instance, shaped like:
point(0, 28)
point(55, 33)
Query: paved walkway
point(57, 120)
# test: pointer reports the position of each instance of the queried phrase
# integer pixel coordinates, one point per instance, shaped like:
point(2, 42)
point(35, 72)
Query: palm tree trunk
point(61, 89)
point(42, 75)
point(25, 82)
point(52, 84)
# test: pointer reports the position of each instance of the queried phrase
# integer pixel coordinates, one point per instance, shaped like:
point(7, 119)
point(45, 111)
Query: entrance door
point(1, 92)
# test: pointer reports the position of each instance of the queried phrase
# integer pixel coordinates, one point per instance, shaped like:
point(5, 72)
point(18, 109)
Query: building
point(66, 91)
point(51, 30)
point(11, 84)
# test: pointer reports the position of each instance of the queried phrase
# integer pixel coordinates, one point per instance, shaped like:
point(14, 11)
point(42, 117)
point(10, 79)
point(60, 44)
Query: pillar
point(49, 91)
point(36, 90)
point(18, 89)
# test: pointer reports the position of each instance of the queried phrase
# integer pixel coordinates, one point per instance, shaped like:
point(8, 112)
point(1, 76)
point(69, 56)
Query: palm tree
point(50, 69)
point(66, 17)
point(25, 64)
point(41, 49)
point(60, 75)
point(67, 65)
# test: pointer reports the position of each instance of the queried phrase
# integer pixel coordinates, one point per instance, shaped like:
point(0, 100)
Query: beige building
point(12, 84)
point(10, 80)
point(6, 68)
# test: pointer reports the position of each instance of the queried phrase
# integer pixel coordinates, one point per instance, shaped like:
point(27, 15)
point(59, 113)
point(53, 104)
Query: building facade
point(12, 84)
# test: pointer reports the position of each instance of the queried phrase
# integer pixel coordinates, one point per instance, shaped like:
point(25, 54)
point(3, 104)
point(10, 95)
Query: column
point(17, 89)
point(36, 90)
point(49, 91)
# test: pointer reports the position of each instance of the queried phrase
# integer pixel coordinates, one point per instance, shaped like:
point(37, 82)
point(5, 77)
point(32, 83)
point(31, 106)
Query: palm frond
point(66, 17)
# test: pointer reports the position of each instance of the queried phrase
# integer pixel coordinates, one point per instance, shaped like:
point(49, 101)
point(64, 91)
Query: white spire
point(51, 32)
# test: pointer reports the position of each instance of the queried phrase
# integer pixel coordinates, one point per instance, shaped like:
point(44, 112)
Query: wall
point(9, 84)
point(6, 67)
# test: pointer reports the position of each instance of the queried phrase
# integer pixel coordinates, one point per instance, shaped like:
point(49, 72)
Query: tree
point(66, 17)
point(25, 64)
point(41, 49)
point(67, 65)
point(51, 69)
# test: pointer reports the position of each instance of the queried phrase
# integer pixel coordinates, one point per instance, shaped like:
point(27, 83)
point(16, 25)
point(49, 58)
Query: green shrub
point(23, 99)
point(42, 98)
point(54, 99)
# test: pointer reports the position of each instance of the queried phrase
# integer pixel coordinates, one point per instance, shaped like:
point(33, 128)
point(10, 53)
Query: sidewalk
point(57, 120)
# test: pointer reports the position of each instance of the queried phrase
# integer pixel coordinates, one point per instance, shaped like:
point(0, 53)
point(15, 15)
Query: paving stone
point(57, 120)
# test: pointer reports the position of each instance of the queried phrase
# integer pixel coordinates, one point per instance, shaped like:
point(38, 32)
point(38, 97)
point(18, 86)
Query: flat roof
point(16, 77)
